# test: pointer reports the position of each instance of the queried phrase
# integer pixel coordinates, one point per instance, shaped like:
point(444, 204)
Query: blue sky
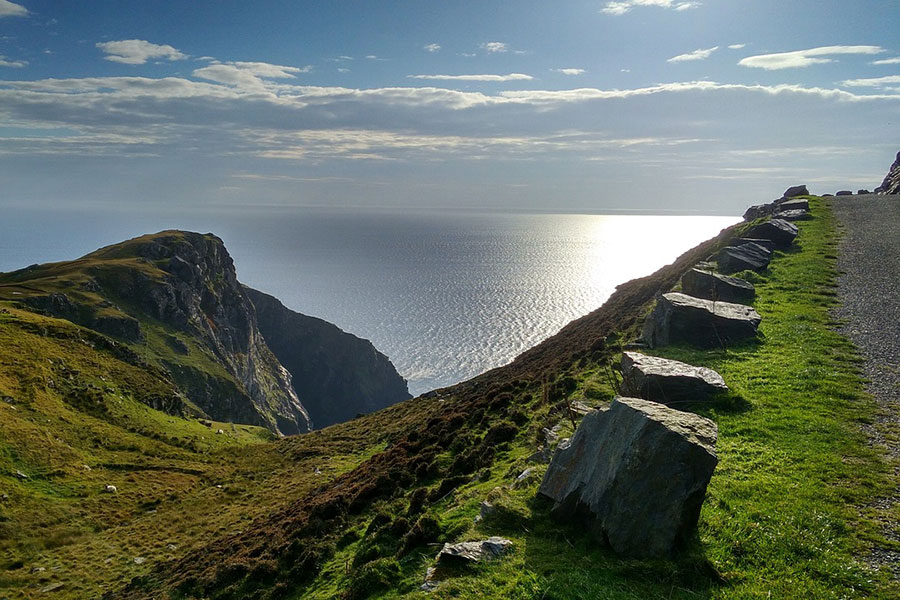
point(650, 105)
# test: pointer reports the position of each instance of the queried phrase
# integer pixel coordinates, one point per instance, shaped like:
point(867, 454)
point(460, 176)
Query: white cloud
point(737, 46)
point(888, 61)
point(804, 58)
point(11, 9)
point(874, 82)
point(701, 54)
point(137, 52)
point(432, 47)
point(510, 77)
point(495, 47)
point(249, 75)
point(624, 6)
point(15, 64)
point(569, 71)
point(343, 70)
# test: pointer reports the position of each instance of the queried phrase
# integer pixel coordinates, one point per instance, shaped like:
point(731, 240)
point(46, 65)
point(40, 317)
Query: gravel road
point(869, 295)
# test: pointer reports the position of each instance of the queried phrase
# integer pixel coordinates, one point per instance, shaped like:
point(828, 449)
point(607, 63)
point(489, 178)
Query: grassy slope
point(117, 265)
point(779, 520)
point(73, 420)
point(782, 517)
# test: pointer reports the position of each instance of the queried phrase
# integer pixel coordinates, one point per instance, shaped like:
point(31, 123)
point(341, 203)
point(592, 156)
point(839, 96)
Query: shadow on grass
point(577, 563)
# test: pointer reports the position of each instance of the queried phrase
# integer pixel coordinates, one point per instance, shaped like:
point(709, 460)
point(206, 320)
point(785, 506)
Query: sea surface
point(445, 295)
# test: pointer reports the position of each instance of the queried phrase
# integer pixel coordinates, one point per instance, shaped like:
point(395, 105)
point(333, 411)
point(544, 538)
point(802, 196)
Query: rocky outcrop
point(187, 282)
point(748, 256)
point(667, 381)
point(337, 374)
point(679, 318)
point(891, 183)
point(778, 230)
point(636, 474)
point(113, 323)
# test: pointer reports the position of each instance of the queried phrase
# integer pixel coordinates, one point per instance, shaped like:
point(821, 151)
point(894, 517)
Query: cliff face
point(891, 183)
point(175, 297)
point(198, 293)
point(337, 374)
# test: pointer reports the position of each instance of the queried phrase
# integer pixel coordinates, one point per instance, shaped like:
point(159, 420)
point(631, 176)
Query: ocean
point(445, 295)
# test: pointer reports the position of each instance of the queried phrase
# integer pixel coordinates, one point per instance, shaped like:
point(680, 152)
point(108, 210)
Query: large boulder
point(797, 190)
point(713, 286)
point(636, 474)
point(891, 183)
point(844, 193)
point(705, 323)
point(778, 230)
point(667, 381)
point(758, 211)
point(749, 256)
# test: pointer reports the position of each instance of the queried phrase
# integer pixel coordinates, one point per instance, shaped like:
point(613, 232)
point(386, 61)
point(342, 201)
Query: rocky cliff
point(197, 292)
point(891, 183)
point(174, 297)
point(234, 353)
point(337, 374)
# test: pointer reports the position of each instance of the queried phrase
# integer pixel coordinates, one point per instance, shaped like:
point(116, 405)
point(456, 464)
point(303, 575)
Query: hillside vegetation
point(359, 509)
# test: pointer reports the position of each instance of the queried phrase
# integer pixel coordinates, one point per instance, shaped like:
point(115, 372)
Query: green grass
point(77, 421)
point(786, 516)
point(785, 512)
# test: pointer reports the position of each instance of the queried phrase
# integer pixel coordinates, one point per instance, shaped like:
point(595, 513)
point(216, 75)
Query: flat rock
point(713, 286)
point(794, 215)
point(750, 256)
point(793, 204)
point(635, 474)
point(778, 230)
point(667, 381)
point(762, 242)
point(844, 193)
point(863, 191)
point(463, 552)
point(681, 318)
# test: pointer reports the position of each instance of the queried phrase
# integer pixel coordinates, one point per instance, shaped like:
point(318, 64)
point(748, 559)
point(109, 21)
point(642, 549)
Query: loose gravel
point(869, 295)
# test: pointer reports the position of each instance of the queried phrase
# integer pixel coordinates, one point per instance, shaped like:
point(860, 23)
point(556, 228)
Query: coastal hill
point(106, 496)
point(174, 301)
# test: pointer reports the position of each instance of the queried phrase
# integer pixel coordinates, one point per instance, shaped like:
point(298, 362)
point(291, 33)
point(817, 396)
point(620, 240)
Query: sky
point(697, 106)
